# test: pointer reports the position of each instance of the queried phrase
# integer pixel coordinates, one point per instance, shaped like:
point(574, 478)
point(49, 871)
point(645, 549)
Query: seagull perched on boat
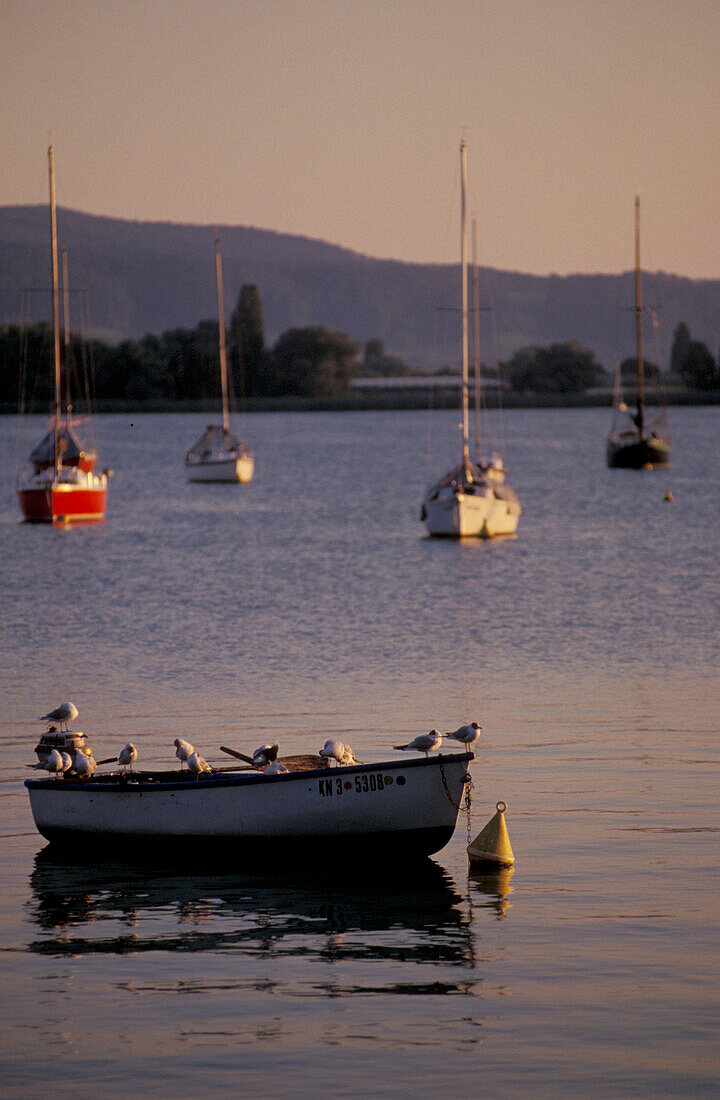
point(52, 763)
point(332, 750)
point(424, 742)
point(66, 712)
point(66, 761)
point(348, 757)
point(84, 765)
point(197, 764)
point(466, 735)
point(183, 750)
point(128, 756)
point(276, 767)
point(265, 755)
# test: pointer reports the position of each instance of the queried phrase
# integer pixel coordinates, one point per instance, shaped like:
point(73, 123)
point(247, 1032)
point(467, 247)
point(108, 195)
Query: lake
point(310, 604)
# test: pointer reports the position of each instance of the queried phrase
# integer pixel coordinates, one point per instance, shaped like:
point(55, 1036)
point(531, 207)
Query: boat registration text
point(362, 784)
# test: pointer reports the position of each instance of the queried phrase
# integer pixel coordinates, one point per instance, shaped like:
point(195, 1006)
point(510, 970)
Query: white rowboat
point(407, 808)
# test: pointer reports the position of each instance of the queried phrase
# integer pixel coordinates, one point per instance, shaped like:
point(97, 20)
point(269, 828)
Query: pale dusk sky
point(341, 120)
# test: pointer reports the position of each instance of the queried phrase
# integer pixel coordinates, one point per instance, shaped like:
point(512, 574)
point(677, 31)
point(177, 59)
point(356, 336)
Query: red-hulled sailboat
point(62, 486)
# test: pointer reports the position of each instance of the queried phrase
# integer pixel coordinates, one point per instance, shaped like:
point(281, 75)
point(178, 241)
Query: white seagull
point(183, 750)
point(66, 761)
point(348, 756)
point(66, 712)
point(332, 750)
point(466, 735)
point(265, 755)
point(84, 765)
point(276, 767)
point(197, 764)
point(424, 742)
point(53, 763)
point(128, 756)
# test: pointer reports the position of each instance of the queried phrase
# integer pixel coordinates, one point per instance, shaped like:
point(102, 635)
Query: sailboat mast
point(476, 336)
point(55, 305)
point(638, 316)
point(66, 330)
point(221, 330)
point(464, 294)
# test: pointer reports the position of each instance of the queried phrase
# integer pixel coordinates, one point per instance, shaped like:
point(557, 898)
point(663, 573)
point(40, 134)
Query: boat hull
point(458, 515)
point(638, 454)
point(82, 499)
point(410, 806)
point(236, 470)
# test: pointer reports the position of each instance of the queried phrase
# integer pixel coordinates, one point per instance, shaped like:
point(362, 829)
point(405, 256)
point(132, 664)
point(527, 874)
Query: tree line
point(182, 364)
point(570, 368)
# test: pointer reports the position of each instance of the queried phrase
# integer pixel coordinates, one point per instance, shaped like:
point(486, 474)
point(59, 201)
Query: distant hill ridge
point(149, 277)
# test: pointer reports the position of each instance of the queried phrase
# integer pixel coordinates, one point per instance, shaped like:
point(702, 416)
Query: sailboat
point(472, 499)
point(218, 455)
point(62, 486)
point(637, 441)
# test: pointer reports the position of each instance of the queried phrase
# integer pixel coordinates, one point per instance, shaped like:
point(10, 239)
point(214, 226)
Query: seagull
point(265, 755)
point(66, 761)
point(466, 735)
point(197, 764)
point(424, 742)
point(348, 756)
point(183, 750)
point(332, 750)
point(84, 765)
point(128, 756)
point(66, 712)
point(53, 763)
point(276, 767)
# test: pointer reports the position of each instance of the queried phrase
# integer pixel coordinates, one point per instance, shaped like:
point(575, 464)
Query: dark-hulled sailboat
point(638, 440)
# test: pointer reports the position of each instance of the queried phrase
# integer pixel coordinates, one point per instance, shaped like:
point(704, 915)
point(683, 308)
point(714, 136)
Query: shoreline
point(387, 399)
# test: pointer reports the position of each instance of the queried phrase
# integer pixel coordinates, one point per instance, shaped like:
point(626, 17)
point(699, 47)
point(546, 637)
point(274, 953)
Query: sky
point(342, 119)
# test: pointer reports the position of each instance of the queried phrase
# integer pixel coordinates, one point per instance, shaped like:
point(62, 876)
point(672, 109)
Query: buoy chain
point(468, 789)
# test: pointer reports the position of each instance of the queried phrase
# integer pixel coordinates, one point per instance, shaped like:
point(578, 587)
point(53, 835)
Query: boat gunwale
point(131, 783)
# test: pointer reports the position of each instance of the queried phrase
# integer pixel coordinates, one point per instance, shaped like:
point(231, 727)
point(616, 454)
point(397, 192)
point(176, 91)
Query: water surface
point(309, 604)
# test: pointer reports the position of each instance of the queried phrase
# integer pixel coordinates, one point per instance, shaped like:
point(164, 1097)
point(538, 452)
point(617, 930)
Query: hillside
point(152, 277)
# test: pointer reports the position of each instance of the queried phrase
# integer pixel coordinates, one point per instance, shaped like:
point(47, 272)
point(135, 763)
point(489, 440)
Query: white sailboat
point(218, 455)
point(472, 499)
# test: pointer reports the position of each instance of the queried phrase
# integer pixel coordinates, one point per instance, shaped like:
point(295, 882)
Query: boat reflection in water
point(412, 916)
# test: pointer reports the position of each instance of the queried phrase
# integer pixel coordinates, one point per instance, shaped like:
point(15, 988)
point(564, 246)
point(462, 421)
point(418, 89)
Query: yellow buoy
point(492, 844)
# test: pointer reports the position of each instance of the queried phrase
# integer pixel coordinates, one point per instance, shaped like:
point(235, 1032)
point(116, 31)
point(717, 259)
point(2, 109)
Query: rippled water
point(309, 604)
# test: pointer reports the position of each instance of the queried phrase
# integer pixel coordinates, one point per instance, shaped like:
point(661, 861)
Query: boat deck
point(302, 767)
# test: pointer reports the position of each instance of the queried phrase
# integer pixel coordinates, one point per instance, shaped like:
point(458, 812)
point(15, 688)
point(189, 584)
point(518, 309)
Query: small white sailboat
point(471, 500)
point(218, 455)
